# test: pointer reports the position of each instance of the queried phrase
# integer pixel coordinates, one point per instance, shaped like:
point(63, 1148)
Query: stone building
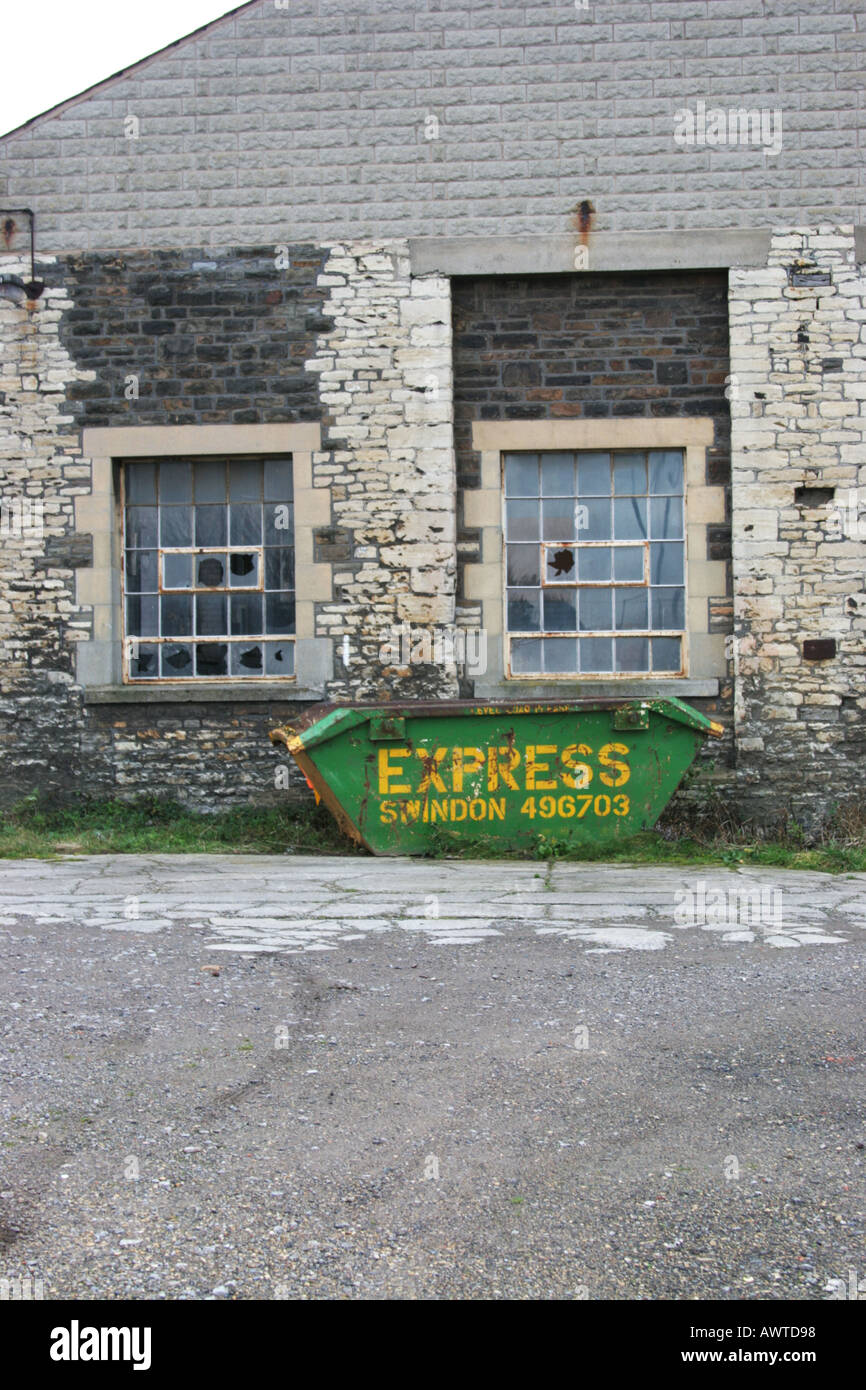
point(396, 348)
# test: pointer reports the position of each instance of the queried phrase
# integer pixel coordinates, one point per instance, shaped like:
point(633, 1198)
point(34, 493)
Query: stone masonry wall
point(328, 119)
point(594, 347)
point(798, 362)
point(204, 342)
point(385, 383)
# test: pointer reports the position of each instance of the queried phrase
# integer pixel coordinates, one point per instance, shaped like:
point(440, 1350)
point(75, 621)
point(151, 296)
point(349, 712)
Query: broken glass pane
point(243, 571)
point(143, 661)
point(211, 659)
point(245, 660)
point(211, 570)
point(279, 658)
point(176, 660)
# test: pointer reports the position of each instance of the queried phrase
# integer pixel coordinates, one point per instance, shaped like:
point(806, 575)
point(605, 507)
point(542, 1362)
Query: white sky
point(53, 49)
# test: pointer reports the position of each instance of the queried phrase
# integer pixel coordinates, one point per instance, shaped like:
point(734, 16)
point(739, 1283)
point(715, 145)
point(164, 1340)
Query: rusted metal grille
point(209, 570)
point(595, 558)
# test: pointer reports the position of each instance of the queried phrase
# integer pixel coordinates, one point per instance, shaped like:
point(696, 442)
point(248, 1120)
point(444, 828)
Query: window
point(595, 562)
point(209, 568)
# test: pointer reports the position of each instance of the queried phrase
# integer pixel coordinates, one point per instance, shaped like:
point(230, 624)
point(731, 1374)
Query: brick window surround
point(705, 506)
point(99, 661)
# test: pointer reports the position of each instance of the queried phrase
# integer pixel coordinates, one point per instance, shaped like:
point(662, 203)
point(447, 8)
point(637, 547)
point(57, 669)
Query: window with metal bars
point(595, 563)
point(209, 568)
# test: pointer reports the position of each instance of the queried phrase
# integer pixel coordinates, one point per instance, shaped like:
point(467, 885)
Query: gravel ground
point(519, 1104)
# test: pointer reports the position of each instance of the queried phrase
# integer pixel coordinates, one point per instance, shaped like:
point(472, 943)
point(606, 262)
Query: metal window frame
point(130, 644)
point(648, 633)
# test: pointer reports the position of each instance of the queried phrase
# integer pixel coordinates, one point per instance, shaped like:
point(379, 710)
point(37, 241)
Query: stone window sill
point(683, 688)
point(264, 692)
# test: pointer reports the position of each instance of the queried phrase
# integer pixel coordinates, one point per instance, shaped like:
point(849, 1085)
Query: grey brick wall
point(308, 123)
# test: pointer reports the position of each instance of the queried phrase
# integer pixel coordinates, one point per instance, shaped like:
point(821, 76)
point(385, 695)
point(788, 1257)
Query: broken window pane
point(176, 660)
point(211, 571)
point(143, 661)
point(246, 660)
point(211, 659)
point(243, 571)
point(279, 658)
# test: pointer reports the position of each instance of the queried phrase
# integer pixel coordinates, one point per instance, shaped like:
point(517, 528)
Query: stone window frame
point(705, 578)
point(99, 664)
